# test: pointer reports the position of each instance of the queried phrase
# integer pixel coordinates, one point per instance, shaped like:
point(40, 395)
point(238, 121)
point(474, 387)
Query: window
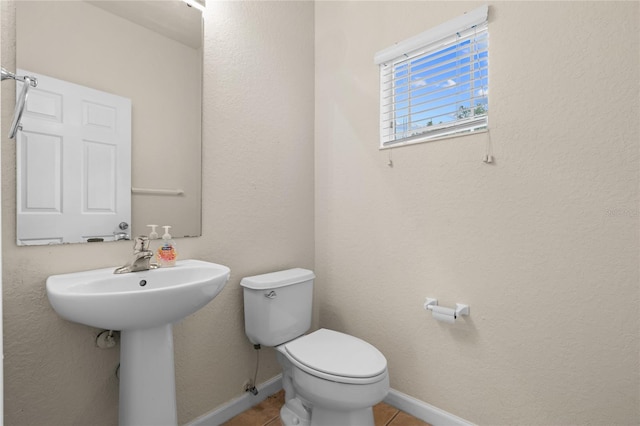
point(436, 84)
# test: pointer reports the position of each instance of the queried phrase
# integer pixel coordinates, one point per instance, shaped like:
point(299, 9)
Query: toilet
point(330, 378)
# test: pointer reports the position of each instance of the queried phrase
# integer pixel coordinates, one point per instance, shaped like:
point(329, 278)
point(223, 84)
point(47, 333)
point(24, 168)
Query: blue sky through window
point(438, 88)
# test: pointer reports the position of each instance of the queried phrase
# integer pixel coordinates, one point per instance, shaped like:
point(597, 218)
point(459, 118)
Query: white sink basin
point(136, 300)
point(143, 305)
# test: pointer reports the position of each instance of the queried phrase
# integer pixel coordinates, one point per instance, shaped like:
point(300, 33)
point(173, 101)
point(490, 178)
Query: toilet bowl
point(330, 378)
point(337, 377)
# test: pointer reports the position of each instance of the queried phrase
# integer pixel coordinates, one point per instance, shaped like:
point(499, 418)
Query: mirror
point(121, 72)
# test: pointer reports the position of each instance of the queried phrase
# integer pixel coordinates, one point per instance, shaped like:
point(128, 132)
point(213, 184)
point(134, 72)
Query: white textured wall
point(543, 244)
point(257, 217)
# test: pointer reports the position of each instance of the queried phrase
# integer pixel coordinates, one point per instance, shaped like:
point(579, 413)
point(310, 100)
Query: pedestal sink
point(143, 305)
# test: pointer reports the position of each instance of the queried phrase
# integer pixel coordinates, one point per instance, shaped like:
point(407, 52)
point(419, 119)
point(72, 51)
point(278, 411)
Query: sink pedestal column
point(147, 377)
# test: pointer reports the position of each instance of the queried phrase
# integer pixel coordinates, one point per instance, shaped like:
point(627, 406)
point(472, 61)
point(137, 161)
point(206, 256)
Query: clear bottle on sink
point(166, 254)
point(153, 235)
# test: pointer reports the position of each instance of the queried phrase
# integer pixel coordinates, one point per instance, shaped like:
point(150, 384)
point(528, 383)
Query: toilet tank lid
point(277, 279)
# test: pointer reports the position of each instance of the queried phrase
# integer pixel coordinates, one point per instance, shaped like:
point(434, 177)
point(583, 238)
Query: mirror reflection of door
point(151, 53)
point(74, 162)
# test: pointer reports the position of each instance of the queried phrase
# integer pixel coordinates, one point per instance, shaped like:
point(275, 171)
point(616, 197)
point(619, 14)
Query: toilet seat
point(336, 356)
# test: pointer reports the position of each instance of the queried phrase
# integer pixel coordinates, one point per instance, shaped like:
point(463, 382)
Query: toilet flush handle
point(271, 295)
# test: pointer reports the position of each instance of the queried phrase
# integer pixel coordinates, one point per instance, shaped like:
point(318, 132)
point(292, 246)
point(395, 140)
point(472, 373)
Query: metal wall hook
point(4, 75)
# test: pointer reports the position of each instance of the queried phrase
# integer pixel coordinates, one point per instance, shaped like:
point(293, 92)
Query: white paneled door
point(73, 164)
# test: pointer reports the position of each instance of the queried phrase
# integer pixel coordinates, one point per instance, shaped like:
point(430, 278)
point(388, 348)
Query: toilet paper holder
point(461, 308)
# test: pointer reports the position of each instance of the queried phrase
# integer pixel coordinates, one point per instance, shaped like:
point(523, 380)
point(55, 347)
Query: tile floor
point(267, 414)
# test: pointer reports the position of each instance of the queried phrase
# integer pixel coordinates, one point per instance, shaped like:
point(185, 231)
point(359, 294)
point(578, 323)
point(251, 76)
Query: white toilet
point(329, 378)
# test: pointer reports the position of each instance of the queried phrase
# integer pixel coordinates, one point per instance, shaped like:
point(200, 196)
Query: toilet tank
point(277, 306)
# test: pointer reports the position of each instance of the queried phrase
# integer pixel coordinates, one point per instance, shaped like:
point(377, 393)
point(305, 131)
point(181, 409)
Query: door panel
point(74, 161)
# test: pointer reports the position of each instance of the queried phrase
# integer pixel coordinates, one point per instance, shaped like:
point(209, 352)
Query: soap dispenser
point(166, 253)
point(153, 235)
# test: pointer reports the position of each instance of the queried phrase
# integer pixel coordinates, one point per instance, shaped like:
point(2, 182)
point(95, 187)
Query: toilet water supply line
point(22, 99)
point(251, 386)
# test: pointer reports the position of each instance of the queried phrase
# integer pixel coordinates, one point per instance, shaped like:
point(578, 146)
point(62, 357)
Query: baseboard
point(236, 406)
point(423, 411)
point(401, 401)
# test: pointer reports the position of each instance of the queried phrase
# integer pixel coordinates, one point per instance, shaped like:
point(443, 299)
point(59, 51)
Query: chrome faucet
point(141, 258)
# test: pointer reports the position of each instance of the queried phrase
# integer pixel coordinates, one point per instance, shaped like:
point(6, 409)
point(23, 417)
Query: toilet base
point(322, 417)
point(293, 413)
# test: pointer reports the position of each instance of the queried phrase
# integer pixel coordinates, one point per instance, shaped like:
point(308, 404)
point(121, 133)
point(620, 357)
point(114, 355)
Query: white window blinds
point(437, 83)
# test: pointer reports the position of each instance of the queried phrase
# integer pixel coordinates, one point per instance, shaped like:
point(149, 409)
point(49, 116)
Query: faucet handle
point(141, 244)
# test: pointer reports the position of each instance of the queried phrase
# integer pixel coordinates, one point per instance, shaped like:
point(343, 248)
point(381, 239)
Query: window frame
point(468, 27)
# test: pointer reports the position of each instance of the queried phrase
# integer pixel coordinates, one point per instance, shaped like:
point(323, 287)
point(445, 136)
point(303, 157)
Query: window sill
point(424, 139)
